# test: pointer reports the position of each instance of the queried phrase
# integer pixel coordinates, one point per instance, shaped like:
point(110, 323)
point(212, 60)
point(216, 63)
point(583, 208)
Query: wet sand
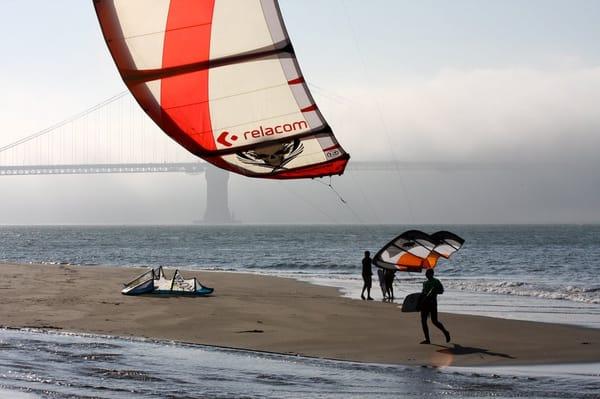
point(276, 315)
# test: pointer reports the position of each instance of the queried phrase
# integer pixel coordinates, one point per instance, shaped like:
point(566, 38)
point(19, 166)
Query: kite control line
point(342, 200)
point(330, 185)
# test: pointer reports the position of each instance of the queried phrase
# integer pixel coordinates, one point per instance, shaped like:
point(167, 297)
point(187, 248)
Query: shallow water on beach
point(541, 273)
point(55, 365)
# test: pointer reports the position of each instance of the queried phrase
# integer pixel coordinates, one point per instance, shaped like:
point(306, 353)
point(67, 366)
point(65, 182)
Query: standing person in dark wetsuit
point(381, 276)
point(389, 283)
point(431, 289)
point(366, 275)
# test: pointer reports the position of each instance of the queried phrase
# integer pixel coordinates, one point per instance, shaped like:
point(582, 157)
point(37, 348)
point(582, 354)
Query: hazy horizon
point(513, 85)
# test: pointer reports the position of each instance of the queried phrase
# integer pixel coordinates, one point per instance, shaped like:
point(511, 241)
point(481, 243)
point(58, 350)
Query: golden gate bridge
point(115, 136)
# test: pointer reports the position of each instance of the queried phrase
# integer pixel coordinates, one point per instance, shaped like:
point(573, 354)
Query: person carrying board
point(428, 305)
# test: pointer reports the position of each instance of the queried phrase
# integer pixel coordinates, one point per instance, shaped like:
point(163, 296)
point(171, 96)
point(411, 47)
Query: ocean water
point(545, 273)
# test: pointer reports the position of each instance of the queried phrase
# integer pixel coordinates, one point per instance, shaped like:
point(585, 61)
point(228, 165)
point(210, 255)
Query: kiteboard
point(411, 303)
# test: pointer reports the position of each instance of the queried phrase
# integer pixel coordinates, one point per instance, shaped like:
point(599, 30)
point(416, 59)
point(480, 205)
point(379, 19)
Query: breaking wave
point(572, 293)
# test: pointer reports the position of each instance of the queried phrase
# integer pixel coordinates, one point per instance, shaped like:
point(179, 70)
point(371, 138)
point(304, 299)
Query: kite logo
point(334, 153)
point(262, 131)
point(273, 156)
point(227, 139)
point(222, 139)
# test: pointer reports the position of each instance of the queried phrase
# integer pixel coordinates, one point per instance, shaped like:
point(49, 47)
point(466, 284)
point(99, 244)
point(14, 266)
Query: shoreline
point(276, 315)
point(522, 368)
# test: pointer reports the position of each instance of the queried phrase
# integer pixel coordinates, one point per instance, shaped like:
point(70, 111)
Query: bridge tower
point(217, 197)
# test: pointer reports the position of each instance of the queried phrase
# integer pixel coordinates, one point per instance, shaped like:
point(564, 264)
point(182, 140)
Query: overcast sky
point(511, 83)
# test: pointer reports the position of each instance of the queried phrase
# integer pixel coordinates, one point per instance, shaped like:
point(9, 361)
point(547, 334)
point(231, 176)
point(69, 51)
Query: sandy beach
point(276, 315)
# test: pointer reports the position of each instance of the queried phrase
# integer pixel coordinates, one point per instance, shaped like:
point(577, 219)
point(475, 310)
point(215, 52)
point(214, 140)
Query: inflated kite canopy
point(414, 250)
point(407, 252)
point(221, 78)
point(448, 243)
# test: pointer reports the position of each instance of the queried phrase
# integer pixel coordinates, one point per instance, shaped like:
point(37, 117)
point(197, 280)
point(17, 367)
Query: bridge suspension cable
point(114, 132)
point(65, 121)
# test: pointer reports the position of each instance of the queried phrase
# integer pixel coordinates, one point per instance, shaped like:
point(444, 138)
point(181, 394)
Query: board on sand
point(411, 302)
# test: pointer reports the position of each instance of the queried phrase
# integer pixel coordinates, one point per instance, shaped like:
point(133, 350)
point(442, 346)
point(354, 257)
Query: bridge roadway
point(183, 167)
point(200, 167)
point(217, 181)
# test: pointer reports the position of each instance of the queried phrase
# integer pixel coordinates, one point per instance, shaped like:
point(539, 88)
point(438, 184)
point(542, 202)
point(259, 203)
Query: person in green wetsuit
point(428, 303)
